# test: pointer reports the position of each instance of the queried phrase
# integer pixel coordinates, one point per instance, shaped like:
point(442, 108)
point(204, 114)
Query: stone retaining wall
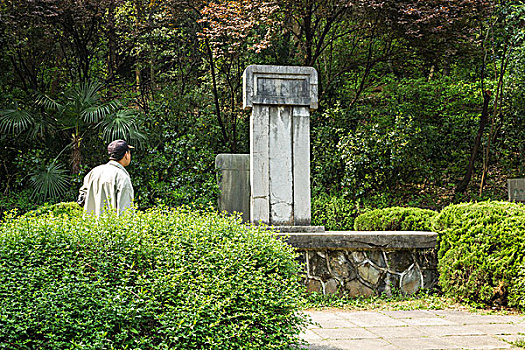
point(366, 263)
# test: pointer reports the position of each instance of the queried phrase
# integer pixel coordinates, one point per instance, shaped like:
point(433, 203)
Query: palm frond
point(95, 114)
point(15, 120)
point(50, 182)
point(47, 102)
point(87, 93)
point(122, 125)
point(40, 126)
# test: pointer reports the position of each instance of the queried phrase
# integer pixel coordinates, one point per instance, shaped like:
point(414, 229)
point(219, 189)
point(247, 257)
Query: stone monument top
point(281, 98)
point(280, 85)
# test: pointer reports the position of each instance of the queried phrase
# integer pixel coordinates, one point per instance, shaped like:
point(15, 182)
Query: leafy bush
point(377, 157)
point(178, 173)
point(161, 279)
point(335, 213)
point(517, 290)
point(395, 219)
point(481, 249)
point(17, 200)
point(66, 208)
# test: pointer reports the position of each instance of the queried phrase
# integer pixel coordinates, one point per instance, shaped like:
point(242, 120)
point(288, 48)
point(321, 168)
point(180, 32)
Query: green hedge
point(395, 219)
point(481, 252)
point(163, 279)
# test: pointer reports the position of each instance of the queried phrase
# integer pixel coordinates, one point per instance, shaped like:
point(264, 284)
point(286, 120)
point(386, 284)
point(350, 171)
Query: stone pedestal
point(281, 98)
point(233, 171)
point(357, 263)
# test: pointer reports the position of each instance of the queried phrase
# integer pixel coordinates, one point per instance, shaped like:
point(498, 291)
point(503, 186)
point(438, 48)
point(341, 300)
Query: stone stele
point(516, 188)
point(234, 183)
point(281, 98)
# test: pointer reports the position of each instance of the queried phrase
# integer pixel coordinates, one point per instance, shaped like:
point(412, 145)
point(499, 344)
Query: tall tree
point(230, 30)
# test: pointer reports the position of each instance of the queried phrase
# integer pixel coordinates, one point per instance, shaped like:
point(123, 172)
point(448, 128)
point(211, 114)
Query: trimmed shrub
point(335, 213)
point(65, 208)
point(395, 219)
point(481, 252)
point(162, 279)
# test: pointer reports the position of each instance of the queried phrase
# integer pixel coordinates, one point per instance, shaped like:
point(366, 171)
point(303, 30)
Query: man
point(108, 186)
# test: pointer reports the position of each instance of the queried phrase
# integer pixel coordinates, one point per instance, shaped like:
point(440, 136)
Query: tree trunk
point(76, 156)
point(112, 56)
point(462, 185)
point(216, 95)
point(497, 105)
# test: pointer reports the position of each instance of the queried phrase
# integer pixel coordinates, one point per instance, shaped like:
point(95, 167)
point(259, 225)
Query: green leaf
point(15, 120)
point(49, 183)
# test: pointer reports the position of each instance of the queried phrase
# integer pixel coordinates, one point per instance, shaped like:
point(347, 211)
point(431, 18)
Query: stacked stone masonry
point(357, 266)
point(368, 272)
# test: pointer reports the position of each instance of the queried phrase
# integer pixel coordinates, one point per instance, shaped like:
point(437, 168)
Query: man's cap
point(118, 148)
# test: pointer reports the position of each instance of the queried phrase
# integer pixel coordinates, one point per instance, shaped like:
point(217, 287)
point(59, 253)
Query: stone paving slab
point(359, 344)
point(423, 343)
point(429, 321)
point(400, 314)
point(371, 319)
point(450, 330)
point(460, 317)
point(344, 333)
point(412, 330)
point(398, 332)
point(478, 342)
point(498, 328)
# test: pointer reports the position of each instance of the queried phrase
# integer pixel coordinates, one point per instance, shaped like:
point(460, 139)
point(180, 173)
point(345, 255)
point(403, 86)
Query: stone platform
point(359, 263)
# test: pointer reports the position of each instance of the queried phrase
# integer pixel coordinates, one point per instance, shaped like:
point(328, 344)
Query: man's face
point(127, 158)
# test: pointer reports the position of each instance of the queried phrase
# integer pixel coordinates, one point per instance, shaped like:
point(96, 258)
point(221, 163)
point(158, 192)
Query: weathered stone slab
point(234, 183)
point(301, 166)
point(260, 166)
point(280, 85)
point(281, 98)
point(363, 239)
point(411, 280)
point(281, 166)
point(516, 188)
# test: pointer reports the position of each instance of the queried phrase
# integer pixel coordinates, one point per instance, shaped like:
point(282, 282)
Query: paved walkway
point(411, 330)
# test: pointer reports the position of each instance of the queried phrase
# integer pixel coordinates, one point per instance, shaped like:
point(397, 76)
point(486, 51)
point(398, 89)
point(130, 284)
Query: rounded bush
point(481, 249)
point(161, 279)
point(395, 219)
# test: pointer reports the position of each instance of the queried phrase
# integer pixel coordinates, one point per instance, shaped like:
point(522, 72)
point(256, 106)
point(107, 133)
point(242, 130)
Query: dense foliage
point(71, 209)
point(161, 279)
point(395, 219)
point(482, 252)
point(335, 213)
point(420, 101)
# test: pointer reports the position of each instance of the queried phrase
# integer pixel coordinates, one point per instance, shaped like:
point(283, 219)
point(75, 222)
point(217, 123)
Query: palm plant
point(78, 112)
point(81, 111)
point(15, 120)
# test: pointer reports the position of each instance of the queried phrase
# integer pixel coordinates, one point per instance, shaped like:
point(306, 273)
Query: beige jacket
point(107, 186)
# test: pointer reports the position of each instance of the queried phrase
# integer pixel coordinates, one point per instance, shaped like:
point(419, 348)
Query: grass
point(520, 342)
point(423, 300)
